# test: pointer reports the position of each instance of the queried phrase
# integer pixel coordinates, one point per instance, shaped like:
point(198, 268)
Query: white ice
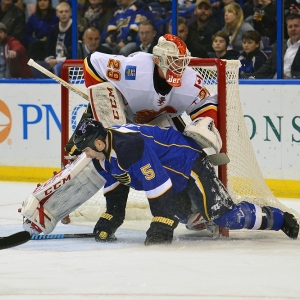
point(248, 265)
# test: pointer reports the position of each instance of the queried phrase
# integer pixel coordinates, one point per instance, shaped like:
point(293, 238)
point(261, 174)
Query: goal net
point(242, 176)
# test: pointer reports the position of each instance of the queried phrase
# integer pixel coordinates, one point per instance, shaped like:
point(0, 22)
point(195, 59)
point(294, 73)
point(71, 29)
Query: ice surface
point(248, 265)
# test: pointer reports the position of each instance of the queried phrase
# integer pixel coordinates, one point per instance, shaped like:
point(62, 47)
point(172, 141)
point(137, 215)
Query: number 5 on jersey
point(148, 172)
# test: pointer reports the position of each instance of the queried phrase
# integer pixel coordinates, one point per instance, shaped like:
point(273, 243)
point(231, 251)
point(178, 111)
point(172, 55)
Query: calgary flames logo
point(146, 115)
point(161, 100)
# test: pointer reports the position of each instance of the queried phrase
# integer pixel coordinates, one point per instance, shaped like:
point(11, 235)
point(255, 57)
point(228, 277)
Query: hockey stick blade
point(62, 236)
point(15, 239)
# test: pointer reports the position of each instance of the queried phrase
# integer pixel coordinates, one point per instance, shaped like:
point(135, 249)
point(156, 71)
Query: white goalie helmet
point(172, 56)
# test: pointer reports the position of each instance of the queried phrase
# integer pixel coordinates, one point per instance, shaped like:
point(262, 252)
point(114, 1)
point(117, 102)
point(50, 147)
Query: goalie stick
point(15, 239)
point(35, 65)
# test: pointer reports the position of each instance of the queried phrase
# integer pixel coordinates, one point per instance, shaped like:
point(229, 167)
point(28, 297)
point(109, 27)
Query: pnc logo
point(5, 121)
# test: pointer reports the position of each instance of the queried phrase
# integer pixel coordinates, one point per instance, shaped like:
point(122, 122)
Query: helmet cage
point(172, 56)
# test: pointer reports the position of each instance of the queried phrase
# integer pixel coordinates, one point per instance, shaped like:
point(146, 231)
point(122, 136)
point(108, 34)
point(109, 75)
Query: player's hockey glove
point(161, 230)
point(106, 227)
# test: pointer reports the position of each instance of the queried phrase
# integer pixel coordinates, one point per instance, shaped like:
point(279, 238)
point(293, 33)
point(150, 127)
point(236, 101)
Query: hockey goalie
point(151, 86)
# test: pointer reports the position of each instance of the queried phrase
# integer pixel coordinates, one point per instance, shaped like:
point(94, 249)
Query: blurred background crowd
point(243, 30)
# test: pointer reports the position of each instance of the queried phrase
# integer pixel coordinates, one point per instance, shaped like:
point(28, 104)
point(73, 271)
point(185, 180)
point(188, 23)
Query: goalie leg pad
point(107, 104)
point(63, 193)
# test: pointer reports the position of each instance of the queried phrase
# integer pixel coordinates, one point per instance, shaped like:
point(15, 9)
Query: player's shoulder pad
point(129, 147)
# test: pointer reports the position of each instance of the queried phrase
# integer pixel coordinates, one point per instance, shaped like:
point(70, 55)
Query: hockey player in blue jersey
point(175, 174)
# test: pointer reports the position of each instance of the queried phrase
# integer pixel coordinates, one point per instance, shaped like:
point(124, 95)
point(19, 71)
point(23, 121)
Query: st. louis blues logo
point(83, 128)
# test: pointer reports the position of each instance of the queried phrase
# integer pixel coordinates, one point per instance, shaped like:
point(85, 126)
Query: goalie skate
point(198, 223)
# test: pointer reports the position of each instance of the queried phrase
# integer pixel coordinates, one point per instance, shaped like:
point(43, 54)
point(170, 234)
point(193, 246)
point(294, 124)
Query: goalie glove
point(205, 133)
point(161, 230)
point(106, 227)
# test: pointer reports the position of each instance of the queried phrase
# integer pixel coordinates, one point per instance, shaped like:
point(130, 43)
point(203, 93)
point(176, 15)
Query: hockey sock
point(251, 216)
point(272, 218)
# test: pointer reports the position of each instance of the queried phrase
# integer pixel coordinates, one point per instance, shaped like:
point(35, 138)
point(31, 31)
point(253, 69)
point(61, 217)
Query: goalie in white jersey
point(151, 85)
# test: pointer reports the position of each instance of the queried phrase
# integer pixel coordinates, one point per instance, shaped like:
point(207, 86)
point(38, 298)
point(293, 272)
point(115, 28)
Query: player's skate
point(197, 222)
point(290, 226)
point(31, 227)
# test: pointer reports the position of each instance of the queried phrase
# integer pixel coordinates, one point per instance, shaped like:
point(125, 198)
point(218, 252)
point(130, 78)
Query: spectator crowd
point(243, 30)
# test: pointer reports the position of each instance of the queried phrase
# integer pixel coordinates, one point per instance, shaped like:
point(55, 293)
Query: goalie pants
point(206, 195)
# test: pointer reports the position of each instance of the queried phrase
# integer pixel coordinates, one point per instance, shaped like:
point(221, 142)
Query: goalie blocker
point(106, 106)
point(60, 195)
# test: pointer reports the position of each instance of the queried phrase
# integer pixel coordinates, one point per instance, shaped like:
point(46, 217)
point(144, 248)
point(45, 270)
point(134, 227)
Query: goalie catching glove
point(106, 227)
point(205, 133)
point(161, 230)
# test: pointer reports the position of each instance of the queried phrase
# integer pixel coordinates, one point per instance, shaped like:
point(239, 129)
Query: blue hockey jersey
point(125, 23)
point(156, 160)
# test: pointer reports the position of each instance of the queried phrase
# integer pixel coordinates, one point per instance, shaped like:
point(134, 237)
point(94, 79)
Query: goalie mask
point(172, 56)
point(87, 131)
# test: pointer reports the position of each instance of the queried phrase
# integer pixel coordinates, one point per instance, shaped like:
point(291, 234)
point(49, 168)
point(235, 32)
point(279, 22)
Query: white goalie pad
point(107, 104)
point(205, 133)
point(63, 193)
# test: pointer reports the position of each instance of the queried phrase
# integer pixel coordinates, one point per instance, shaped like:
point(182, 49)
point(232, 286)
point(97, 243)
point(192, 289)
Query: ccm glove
point(106, 227)
point(161, 230)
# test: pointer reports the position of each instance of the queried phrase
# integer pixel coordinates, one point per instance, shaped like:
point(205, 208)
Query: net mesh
point(244, 178)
